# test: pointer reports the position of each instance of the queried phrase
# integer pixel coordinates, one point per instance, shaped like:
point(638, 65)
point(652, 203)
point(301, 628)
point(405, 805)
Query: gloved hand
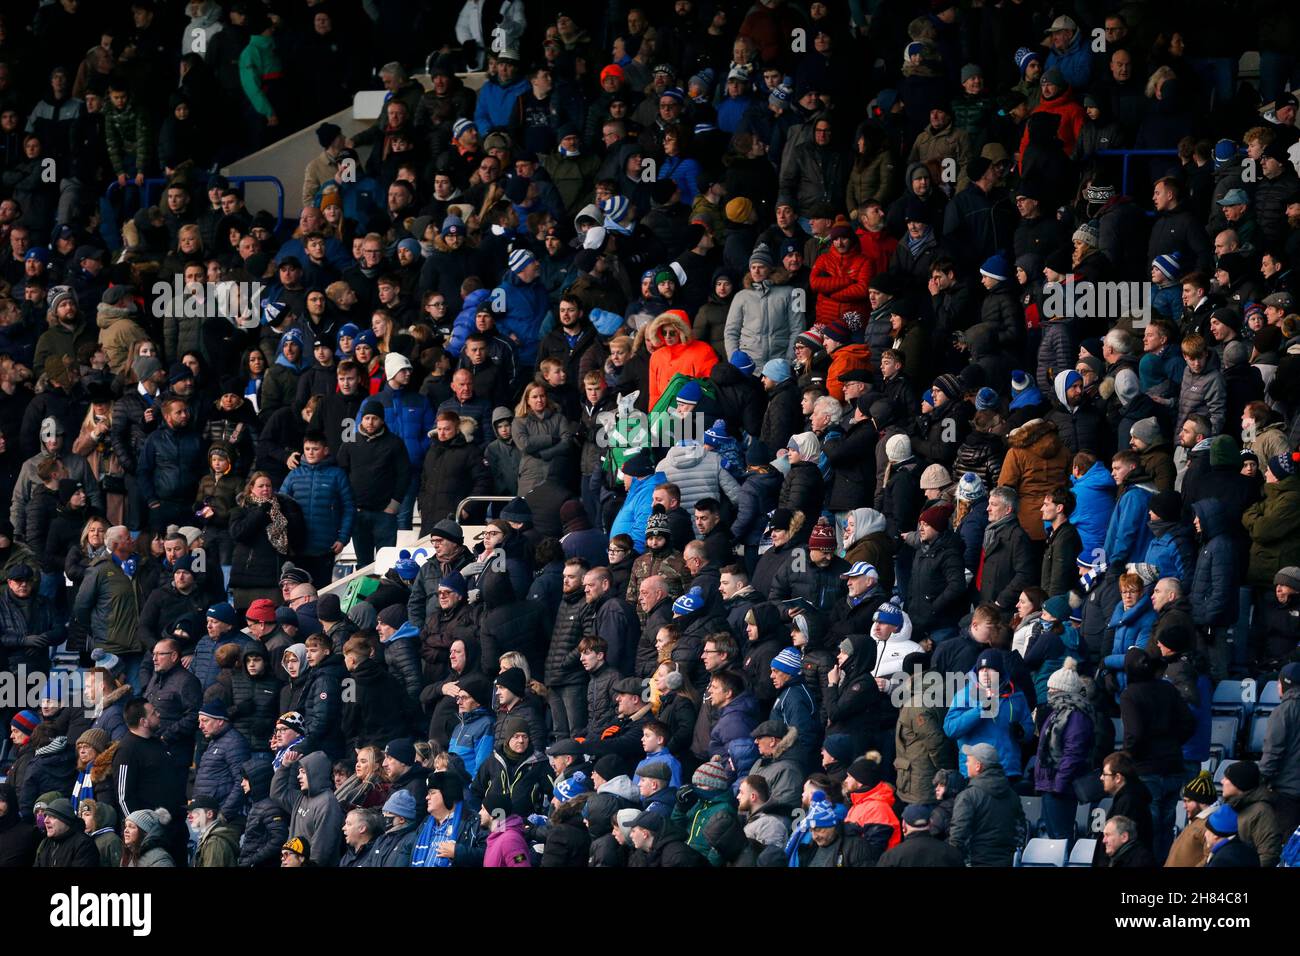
point(686, 796)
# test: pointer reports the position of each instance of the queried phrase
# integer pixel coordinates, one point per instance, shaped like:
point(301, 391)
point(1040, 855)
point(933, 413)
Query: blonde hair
point(514, 659)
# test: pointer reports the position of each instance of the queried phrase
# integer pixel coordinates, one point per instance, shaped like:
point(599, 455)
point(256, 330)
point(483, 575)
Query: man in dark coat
point(920, 846)
point(987, 817)
point(1123, 848)
point(66, 842)
point(453, 470)
point(1007, 565)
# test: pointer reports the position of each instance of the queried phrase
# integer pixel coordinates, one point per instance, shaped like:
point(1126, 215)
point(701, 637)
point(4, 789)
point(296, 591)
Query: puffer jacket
point(689, 357)
point(755, 500)
point(1129, 627)
point(411, 417)
point(1214, 584)
point(698, 473)
point(267, 825)
point(1094, 500)
point(401, 655)
point(763, 323)
point(220, 771)
point(803, 489)
point(1036, 464)
point(562, 664)
point(853, 460)
point(1274, 527)
point(170, 466)
point(325, 496)
point(800, 576)
point(540, 441)
point(840, 281)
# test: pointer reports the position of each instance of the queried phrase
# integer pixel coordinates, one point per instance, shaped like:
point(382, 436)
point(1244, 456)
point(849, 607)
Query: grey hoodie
point(317, 816)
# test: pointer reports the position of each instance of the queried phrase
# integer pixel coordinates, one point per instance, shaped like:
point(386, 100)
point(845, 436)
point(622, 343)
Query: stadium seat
point(1233, 698)
point(1218, 774)
point(1119, 732)
point(1043, 852)
point(1223, 735)
point(1258, 730)
point(1033, 808)
point(1269, 698)
point(1081, 853)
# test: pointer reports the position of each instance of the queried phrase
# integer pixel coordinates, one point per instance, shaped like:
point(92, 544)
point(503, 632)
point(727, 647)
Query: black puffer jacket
point(803, 489)
point(562, 665)
point(986, 820)
point(939, 434)
point(782, 417)
point(322, 707)
point(267, 825)
point(254, 705)
point(256, 564)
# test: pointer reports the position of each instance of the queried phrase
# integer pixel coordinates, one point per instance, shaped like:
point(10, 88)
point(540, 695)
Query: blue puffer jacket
point(402, 657)
point(971, 532)
point(967, 723)
point(1214, 585)
point(636, 509)
point(496, 105)
point(463, 327)
point(1129, 531)
point(204, 666)
point(1131, 627)
point(526, 307)
point(795, 707)
point(170, 465)
point(410, 416)
point(473, 739)
point(1094, 500)
point(220, 770)
point(325, 496)
point(1171, 550)
point(736, 720)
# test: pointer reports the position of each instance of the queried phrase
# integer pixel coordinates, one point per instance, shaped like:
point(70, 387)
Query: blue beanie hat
point(406, 567)
point(223, 612)
point(789, 661)
point(688, 603)
point(778, 370)
point(401, 804)
point(1170, 264)
point(690, 392)
point(571, 786)
point(821, 812)
point(1023, 57)
point(986, 398)
point(1223, 821)
point(889, 613)
point(1225, 151)
point(996, 267)
point(716, 433)
point(742, 362)
point(455, 582)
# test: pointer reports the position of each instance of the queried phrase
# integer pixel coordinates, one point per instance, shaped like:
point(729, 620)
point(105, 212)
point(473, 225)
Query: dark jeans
point(1165, 790)
point(1059, 810)
point(372, 530)
point(319, 566)
point(568, 709)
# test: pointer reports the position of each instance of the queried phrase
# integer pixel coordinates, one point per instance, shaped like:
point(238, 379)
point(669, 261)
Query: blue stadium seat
point(1043, 852)
point(1081, 853)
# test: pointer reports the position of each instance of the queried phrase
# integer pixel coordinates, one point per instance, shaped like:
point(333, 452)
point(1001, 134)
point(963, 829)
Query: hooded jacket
point(314, 814)
point(763, 323)
point(689, 357)
point(267, 825)
point(987, 819)
point(1036, 464)
point(1214, 585)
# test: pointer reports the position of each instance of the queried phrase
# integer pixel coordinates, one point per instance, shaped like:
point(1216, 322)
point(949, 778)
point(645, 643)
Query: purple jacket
point(1076, 756)
point(507, 846)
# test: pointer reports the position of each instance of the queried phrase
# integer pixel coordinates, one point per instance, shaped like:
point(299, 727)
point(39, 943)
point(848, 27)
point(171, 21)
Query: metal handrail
point(156, 182)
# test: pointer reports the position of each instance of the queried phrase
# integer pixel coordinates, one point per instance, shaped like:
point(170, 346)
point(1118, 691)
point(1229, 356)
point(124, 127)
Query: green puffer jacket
point(1272, 524)
point(128, 133)
point(691, 821)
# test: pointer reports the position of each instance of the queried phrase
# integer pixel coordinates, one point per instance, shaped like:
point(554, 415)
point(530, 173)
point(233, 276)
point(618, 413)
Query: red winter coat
point(879, 248)
point(840, 282)
point(1072, 116)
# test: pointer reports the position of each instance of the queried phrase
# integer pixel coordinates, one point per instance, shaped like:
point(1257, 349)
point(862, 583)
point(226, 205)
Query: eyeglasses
point(612, 550)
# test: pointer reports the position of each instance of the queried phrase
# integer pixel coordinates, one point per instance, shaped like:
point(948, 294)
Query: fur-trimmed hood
point(1038, 436)
point(661, 323)
point(101, 768)
point(785, 743)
